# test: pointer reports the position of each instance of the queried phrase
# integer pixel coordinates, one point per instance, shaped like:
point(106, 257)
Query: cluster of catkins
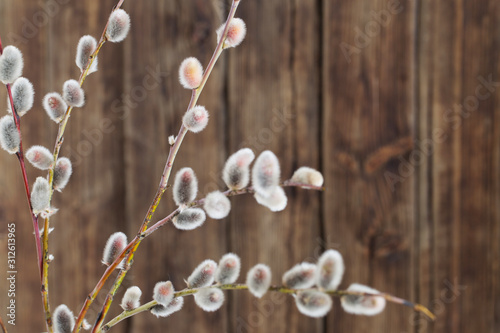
point(56, 106)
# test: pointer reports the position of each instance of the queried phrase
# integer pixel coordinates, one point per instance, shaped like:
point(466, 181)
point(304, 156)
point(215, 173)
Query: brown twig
point(280, 289)
point(4, 329)
point(174, 149)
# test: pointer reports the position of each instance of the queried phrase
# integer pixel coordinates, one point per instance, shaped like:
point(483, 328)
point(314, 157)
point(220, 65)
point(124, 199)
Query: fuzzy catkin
point(165, 311)
point(114, 246)
point(11, 64)
point(63, 319)
point(236, 172)
point(55, 106)
point(86, 47)
point(131, 299)
point(23, 96)
point(9, 136)
point(276, 201)
point(313, 303)
point(228, 269)
point(203, 275)
point(40, 195)
point(266, 173)
point(185, 186)
point(235, 35)
point(217, 205)
point(330, 270)
point(118, 26)
point(190, 73)
point(189, 219)
point(62, 173)
point(163, 292)
point(40, 157)
point(300, 276)
point(209, 299)
point(196, 119)
point(259, 280)
point(307, 176)
point(73, 94)
point(362, 305)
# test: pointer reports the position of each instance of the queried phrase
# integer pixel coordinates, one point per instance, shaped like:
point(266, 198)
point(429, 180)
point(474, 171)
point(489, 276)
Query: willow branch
point(281, 289)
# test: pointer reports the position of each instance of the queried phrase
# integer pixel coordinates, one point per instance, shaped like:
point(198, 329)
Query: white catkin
point(165, 311)
point(190, 73)
point(23, 96)
point(276, 201)
point(40, 195)
point(313, 303)
point(55, 106)
point(203, 275)
point(40, 157)
point(114, 246)
point(131, 299)
point(9, 136)
point(73, 94)
point(308, 176)
point(11, 64)
point(209, 299)
point(217, 205)
point(362, 305)
point(62, 173)
point(330, 270)
point(185, 186)
point(63, 319)
point(118, 26)
point(236, 33)
point(300, 276)
point(228, 269)
point(86, 47)
point(189, 219)
point(259, 280)
point(266, 173)
point(236, 172)
point(196, 119)
point(163, 292)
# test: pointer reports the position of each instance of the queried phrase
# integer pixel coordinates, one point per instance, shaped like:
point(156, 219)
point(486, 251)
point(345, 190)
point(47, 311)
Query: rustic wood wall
point(396, 102)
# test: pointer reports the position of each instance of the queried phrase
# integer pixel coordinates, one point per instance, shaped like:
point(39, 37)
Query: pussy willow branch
point(4, 329)
point(20, 157)
point(280, 289)
point(164, 179)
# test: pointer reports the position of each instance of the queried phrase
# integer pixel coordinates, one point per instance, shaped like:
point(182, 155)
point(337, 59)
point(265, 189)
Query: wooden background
point(384, 97)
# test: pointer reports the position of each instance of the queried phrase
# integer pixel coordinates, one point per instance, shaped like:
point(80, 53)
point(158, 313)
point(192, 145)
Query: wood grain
point(368, 92)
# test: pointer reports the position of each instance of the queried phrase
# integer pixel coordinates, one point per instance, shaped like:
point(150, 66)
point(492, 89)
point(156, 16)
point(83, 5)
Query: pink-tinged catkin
point(165, 311)
point(196, 119)
point(40, 195)
point(114, 246)
point(276, 201)
point(259, 280)
point(190, 73)
point(217, 205)
point(11, 64)
point(236, 172)
point(313, 303)
point(189, 219)
point(209, 299)
point(118, 26)
point(73, 94)
point(300, 276)
point(307, 176)
point(9, 136)
point(185, 186)
point(203, 275)
point(40, 157)
point(23, 96)
point(228, 269)
point(362, 305)
point(163, 293)
point(330, 270)
point(62, 173)
point(86, 47)
point(55, 106)
point(266, 173)
point(63, 319)
point(236, 33)
point(131, 299)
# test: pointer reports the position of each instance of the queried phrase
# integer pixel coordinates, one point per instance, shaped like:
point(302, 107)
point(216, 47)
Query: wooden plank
point(273, 92)
point(367, 128)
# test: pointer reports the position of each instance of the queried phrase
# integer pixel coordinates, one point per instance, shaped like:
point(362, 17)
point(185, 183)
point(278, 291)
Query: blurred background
point(396, 102)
